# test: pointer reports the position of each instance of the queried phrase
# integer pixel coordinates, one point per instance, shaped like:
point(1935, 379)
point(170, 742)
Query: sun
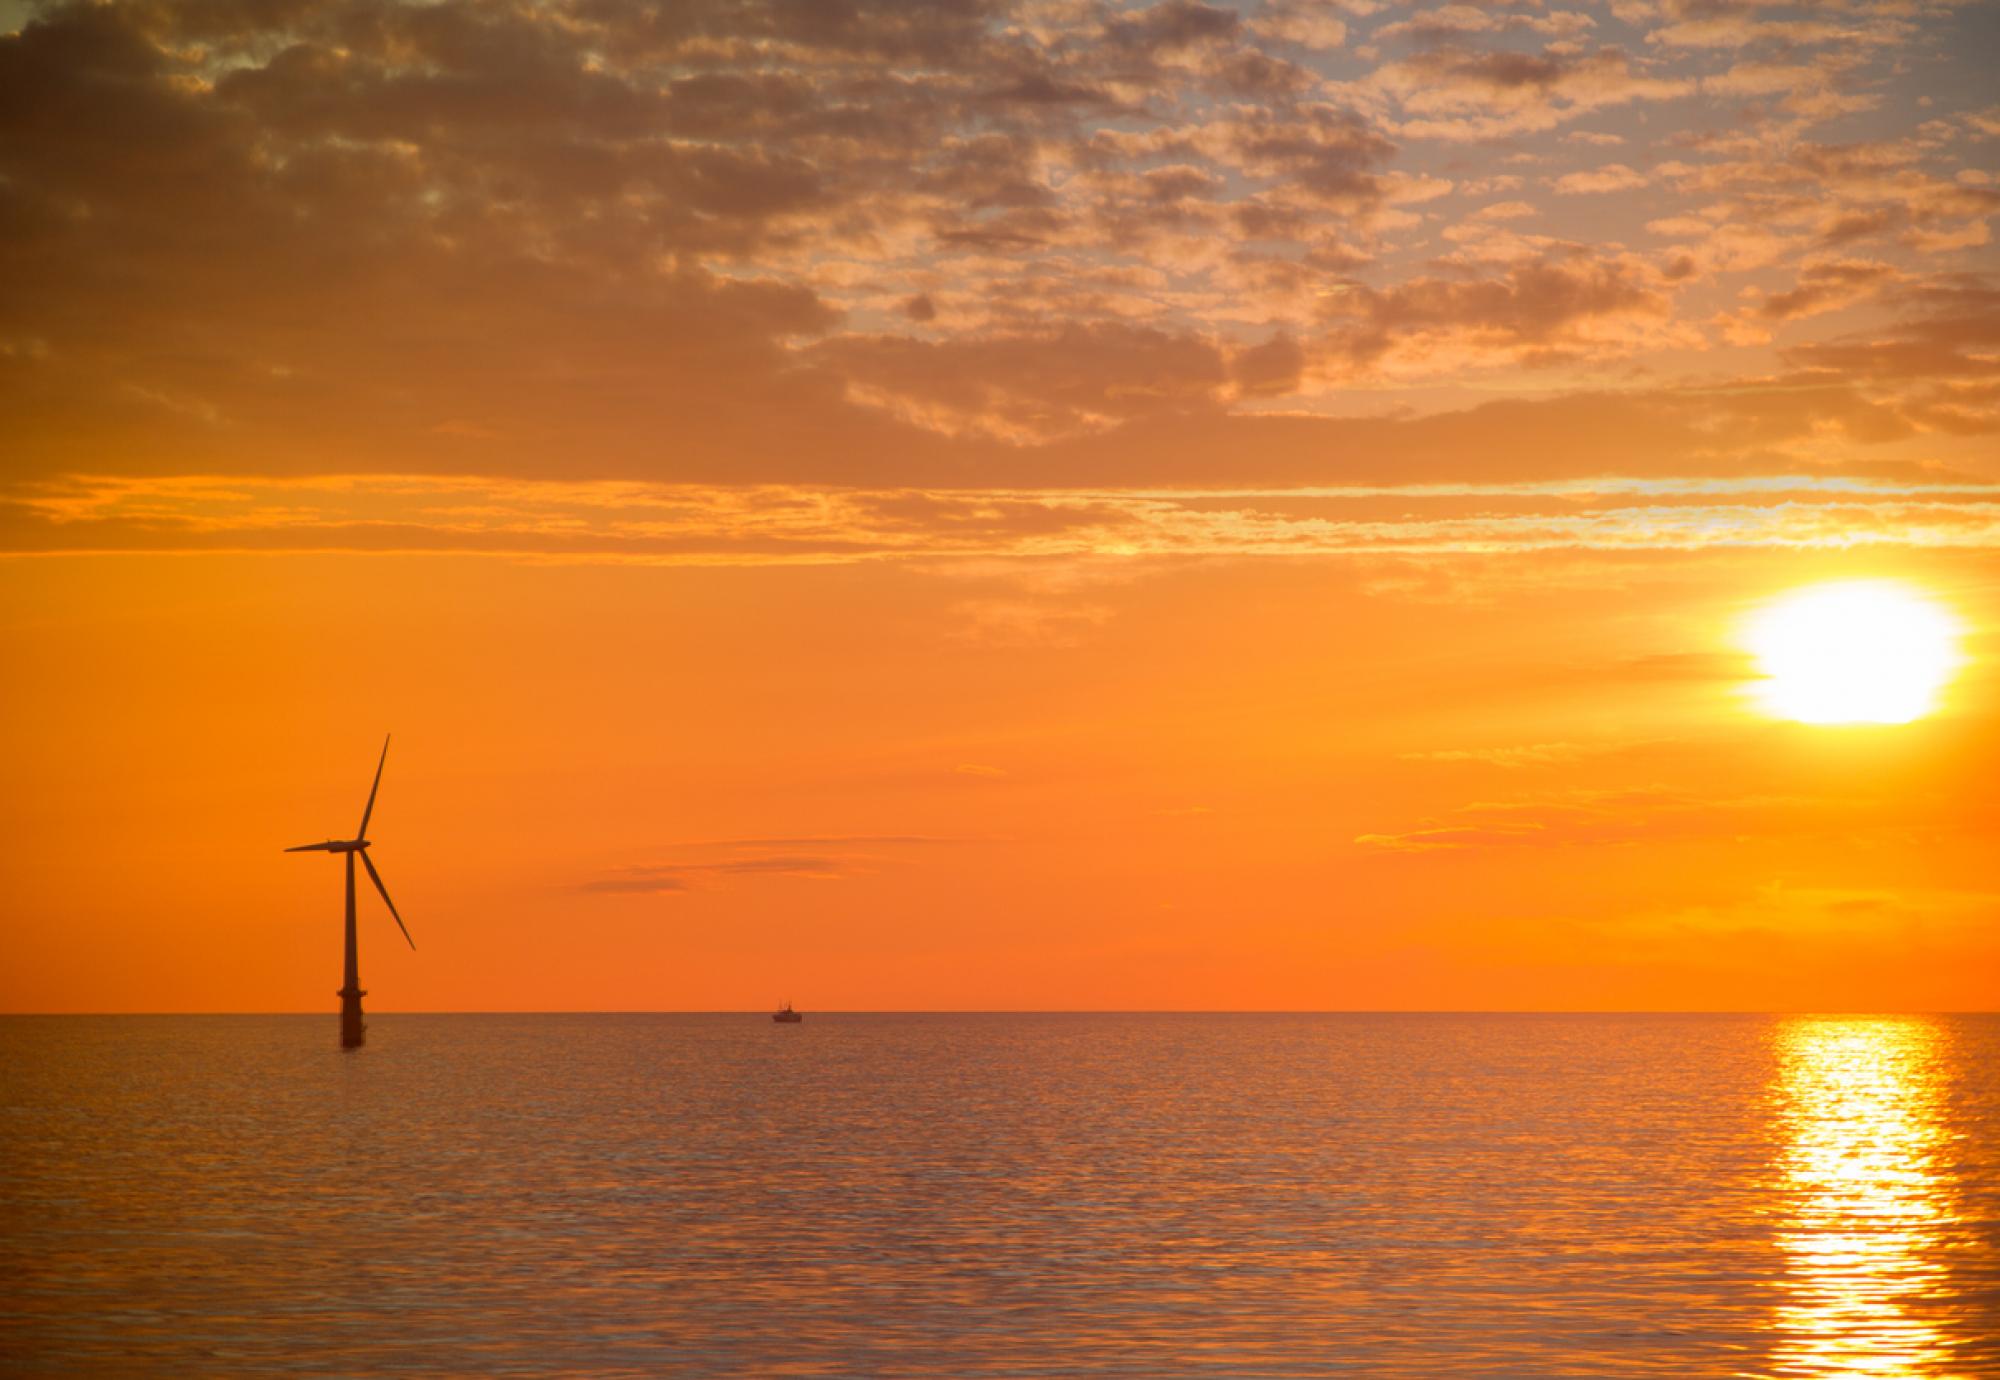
point(1855, 652)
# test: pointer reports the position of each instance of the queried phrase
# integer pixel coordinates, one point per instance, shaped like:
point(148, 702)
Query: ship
point(784, 1015)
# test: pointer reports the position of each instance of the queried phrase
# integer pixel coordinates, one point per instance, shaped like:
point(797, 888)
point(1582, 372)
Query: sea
point(1002, 1195)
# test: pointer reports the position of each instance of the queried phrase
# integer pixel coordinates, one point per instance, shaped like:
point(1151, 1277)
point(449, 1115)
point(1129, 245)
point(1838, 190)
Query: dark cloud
point(1172, 26)
point(1938, 369)
point(838, 856)
point(1269, 370)
point(1825, 286)
point(1034, 387)
point(1535, 312)
point(679, 877)
point(1329, 153)
point(640, 884)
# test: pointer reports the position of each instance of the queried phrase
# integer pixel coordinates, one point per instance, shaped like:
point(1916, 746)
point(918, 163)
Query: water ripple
point(1002, 1196)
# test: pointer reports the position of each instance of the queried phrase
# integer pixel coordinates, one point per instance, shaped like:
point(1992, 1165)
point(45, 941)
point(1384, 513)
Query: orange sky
point(1018, 507)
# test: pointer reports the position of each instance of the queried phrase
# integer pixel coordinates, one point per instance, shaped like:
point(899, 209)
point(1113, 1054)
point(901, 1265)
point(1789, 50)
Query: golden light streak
point(1860, 1104)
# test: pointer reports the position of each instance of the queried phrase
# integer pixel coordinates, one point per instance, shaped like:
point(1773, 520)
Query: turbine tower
point(350, 994)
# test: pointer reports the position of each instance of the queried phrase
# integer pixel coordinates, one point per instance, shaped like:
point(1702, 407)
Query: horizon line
point(1075, 1011)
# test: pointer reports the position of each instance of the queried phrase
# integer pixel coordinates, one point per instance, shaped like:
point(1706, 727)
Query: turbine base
point(353, 1030)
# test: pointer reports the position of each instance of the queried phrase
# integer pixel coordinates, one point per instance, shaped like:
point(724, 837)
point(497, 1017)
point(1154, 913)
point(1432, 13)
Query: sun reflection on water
point(1860, 1103)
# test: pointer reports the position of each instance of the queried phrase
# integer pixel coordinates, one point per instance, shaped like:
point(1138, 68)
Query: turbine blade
point(376, 877)
point(362, 832)
point(314, 848)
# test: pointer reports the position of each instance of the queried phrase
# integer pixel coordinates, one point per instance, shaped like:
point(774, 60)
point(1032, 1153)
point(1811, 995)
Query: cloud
point(1807, 196)
point(638, 882)
point(1444, 23)
point(1734, 27)
point(832, 841)
point(1518, 755)
point(740, 241)
point(1023, 388)
point(1937, 370)
point(1825, 285)
point(1171, 26)
point(1462, 93)
point(1298, 21)
point(678, 877)
point(1324, 154)
point(1612, 177)
point(1591, 818)
point(1028, 622)
point(637, 523)
point(1558, 306)
point(833, 857)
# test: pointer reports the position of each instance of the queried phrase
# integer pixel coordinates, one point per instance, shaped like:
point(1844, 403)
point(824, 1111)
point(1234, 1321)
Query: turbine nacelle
point(358, 845)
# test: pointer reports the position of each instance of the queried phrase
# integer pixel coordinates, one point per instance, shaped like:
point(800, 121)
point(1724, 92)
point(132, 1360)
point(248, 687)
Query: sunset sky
point(941, 504)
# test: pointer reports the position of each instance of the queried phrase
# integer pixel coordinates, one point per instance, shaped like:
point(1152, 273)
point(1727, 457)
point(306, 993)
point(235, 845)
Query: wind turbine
point(350, 994)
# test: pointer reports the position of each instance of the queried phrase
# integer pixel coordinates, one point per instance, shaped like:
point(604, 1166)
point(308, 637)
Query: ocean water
point(986, 1195)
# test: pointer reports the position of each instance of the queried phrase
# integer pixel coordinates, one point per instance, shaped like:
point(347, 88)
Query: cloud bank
point(964, 243)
